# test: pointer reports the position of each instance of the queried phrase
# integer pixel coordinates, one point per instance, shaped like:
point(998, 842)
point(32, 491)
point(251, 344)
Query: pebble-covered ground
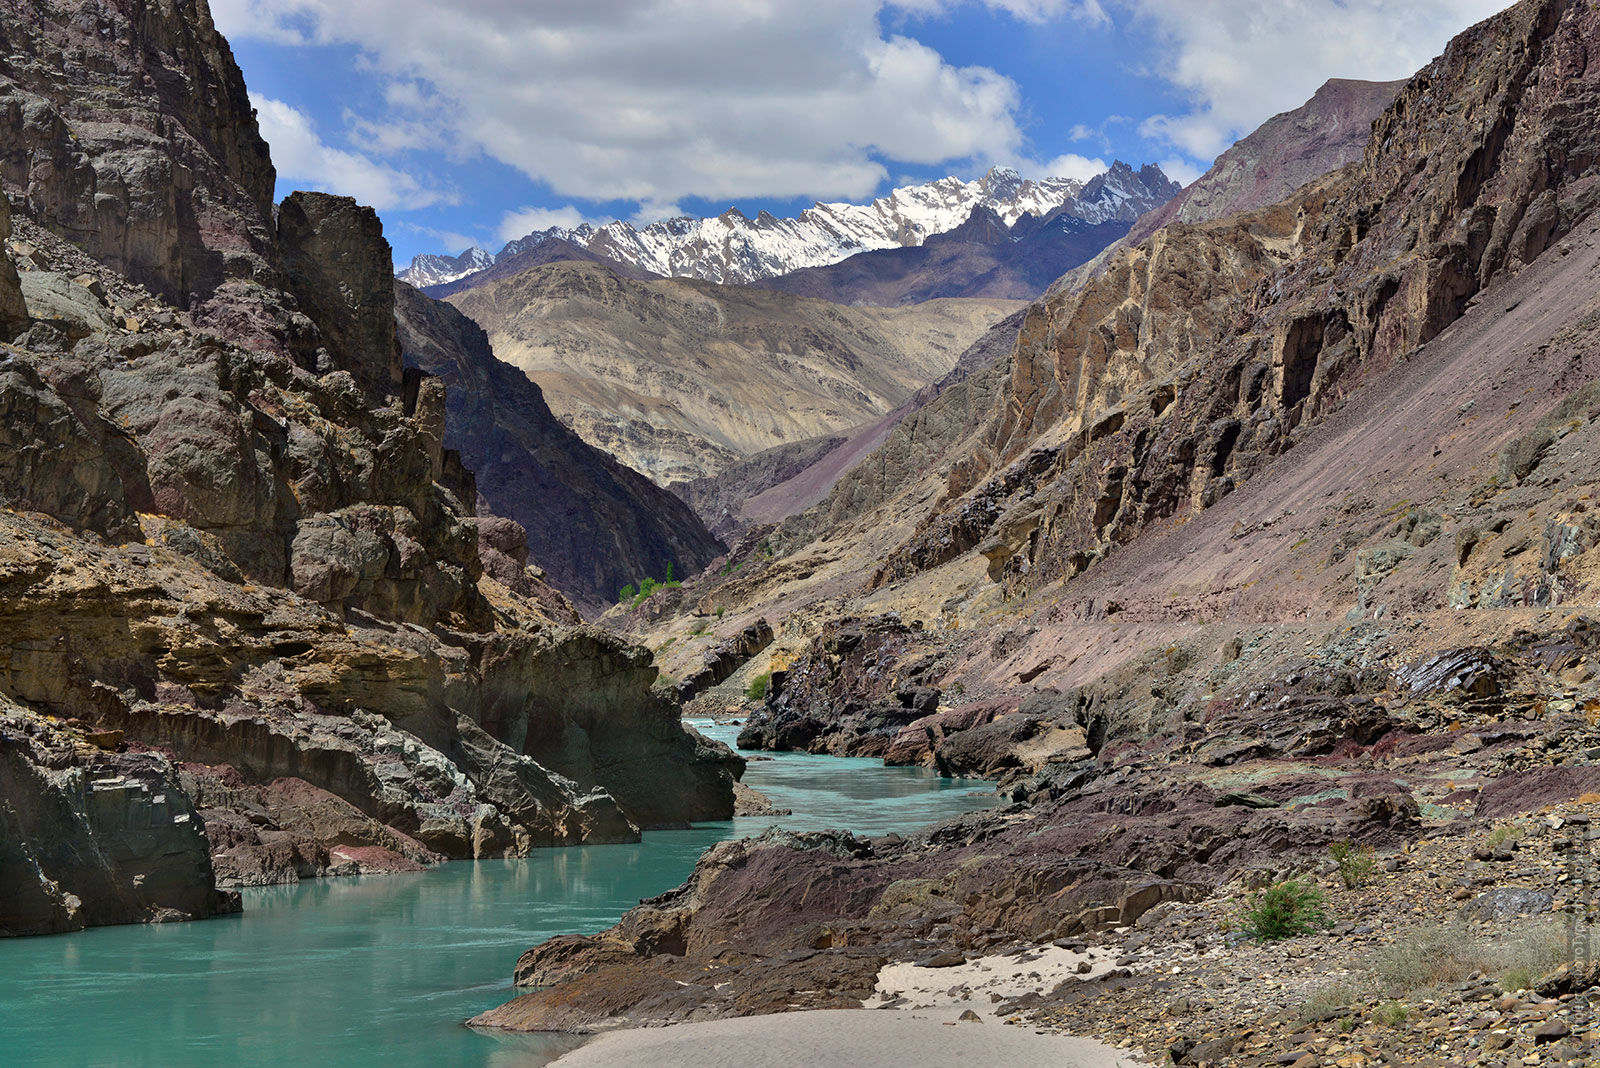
point(1451, 952)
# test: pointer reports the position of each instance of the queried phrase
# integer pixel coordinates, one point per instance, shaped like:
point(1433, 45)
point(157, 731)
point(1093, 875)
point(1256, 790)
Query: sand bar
point(844, 1038)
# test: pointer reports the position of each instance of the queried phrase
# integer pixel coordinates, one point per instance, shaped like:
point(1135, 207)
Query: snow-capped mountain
point(431, 270)
point(1122, 194)
point(735, 248)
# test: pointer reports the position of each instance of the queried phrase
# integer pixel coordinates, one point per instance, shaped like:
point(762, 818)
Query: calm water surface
point(380, 971)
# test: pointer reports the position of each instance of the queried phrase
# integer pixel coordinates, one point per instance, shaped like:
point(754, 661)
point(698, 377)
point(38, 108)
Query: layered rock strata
point(255, 629)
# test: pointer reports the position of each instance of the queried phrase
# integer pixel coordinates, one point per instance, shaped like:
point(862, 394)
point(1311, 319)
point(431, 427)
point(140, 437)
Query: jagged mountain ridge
point(988, 257)
point(735, 248)
point(1290, 149)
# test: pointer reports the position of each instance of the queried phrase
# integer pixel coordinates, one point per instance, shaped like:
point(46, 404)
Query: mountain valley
point(677, 378)
point(1243, 537)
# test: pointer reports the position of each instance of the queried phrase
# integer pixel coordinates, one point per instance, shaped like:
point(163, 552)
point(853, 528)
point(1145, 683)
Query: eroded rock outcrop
point(92, 836)
point(235, 554)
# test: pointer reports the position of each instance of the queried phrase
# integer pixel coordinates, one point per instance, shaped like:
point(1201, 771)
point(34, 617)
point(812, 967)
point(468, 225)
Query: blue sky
point(475, 121)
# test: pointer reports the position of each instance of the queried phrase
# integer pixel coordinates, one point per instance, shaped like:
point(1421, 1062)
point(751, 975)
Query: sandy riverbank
point(844, 1038)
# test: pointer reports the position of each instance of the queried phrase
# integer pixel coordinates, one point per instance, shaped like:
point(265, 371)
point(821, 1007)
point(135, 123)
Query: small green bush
point(647, 586)
point(721, 608)
point(1286, 910)
point(1390, 1013)
point(1356, 863)
point(1504, 833)
point(1518, 978)
point(758, 686)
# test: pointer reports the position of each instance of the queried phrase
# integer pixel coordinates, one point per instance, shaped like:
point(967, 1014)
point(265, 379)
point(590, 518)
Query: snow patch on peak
point(735, 248)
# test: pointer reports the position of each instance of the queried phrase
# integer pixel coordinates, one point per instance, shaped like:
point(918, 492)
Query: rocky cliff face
point(1370, 264)
point(1325, 133)
point(254, 628)
point(679, 378)
point(593, 524)
point(148, 157)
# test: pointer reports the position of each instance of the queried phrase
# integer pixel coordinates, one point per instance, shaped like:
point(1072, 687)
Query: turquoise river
point(380, 972)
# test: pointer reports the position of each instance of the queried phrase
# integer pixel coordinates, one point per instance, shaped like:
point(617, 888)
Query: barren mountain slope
point(676, 378)
point(593, 524)
point(1278, 535)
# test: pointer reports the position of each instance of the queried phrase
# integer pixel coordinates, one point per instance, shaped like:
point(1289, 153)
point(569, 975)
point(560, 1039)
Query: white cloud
point(1182, 171)
point(450, 242)
point(1036, 11)
point(301, 156)
point(524, 221)
point(1072, 165)
point(1242, 61)
point(655, 100)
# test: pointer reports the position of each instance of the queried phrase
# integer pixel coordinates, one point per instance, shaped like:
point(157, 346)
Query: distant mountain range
point(735, 248)
point(989, 256)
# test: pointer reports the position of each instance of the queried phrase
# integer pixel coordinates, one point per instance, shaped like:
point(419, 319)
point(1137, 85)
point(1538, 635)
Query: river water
point(380, 971)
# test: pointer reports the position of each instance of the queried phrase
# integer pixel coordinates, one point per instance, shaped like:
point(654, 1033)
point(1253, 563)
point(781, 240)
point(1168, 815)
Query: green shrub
point(1518, 978)
point(1390, 1013)
point(758, 686)
point(1356, 863)
point(1286, 910)
point(647, 586)
point(721, 608)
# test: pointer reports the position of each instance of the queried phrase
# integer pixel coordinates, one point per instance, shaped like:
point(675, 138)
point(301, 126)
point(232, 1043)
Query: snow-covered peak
point(735, 248)
point(430, 270)
point(1123, 194)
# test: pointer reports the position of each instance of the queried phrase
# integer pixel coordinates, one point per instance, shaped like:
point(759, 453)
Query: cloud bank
point(1239, 62)
point(656, 100)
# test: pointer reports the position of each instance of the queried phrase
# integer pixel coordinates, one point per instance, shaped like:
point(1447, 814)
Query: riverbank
point(379, 972)
point(842, 1038)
